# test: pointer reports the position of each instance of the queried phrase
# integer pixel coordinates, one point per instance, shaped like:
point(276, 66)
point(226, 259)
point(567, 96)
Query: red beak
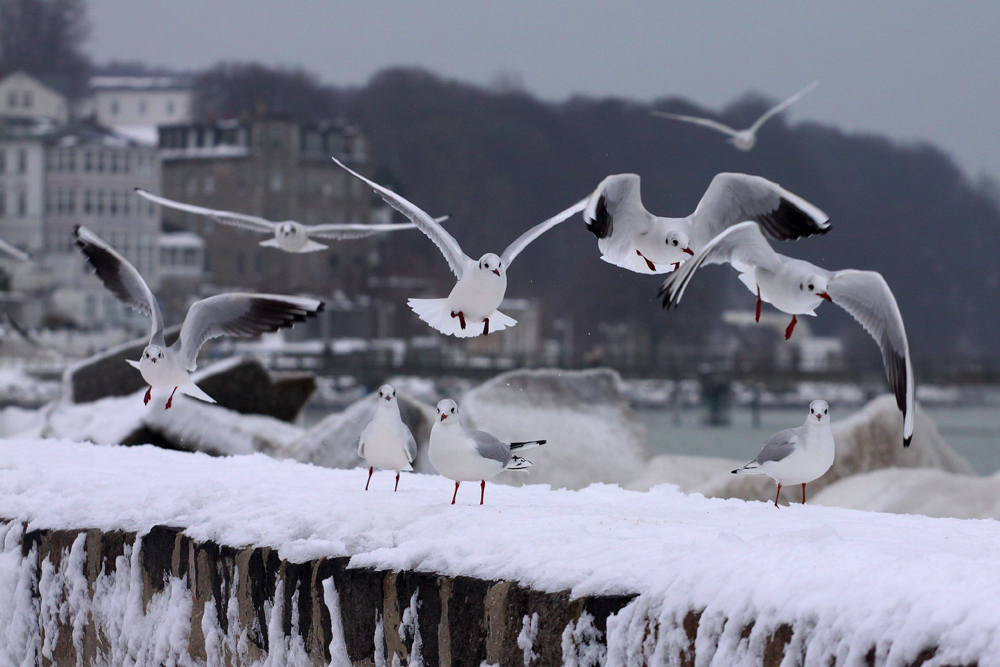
point(689, 251)
point(824, 295)
point(496, 271)
point(442, 417)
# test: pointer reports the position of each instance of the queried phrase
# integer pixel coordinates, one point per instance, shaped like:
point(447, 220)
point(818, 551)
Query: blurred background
point(501, 115)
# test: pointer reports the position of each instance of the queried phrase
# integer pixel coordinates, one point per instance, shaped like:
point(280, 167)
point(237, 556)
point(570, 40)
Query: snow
point(845, 580)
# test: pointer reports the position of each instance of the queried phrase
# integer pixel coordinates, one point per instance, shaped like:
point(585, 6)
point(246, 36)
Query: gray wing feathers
point(734, 198)
point(782, 106)
point(411, 446)
point(704, 122)
point(448, 246)
point(120, 277)
point(241, 315)
point(489, 446)
point(522, 241)
point(778, 446)
point(251, 222)
point(14, 252)
point(346, 232)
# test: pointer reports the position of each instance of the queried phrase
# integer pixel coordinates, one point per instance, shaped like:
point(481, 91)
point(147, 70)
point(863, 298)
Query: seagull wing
point(489, 446)
point(13, 251)
point(346, 232)
point(411, 446)
point(120, 277)
point(522, 241)
point(251, 222)
point(446, 243)
point(779, 446)
point(704, 122)
point(241, 315)
point(734, 198)
point(742, 245)
point(867, 297)
point(782, 106)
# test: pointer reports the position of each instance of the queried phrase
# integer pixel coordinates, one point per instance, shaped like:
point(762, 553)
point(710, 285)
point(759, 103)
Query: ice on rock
point(593, 435)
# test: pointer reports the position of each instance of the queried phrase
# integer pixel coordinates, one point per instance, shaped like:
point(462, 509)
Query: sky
point(915, 71)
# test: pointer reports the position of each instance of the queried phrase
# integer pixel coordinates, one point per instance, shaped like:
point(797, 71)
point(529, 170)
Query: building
point(277, 169)
point(26, 96)
point(135, 106)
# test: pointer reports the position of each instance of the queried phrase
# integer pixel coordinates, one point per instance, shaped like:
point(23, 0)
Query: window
point(22, 161)
point(88, 202)
point(27, 99)
point(192, 186)
point(3, 160)
point(113, 160)
point(142, 107)
point(72, 160)
point(101, 157)
point(12, 99)
point(88, 161)
point(114, 107)
point(209, 185)
point(113, 203)
point(170, 107)
point(71, 202)
point(277, 181)
point(100, 202)
point(126, 203)
point(22, 204)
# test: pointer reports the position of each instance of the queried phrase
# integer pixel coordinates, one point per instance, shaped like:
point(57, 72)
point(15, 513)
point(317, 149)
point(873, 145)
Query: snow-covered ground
point(845, 580)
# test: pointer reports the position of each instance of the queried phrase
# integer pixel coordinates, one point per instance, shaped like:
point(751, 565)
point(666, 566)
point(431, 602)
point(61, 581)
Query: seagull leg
point(397, 482)
point(455, 495)
point(371, 469)
point(149, 395)
point(776, 496)
point(461, 318)
point(170, 401)
point(757, 316)
point(482, 492)
point(803, 493)
point(486, 327)
point(791, 328)
point(652, 267)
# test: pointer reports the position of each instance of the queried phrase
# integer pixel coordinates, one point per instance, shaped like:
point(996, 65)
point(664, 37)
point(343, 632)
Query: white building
point(25, 96)
point(135, 105)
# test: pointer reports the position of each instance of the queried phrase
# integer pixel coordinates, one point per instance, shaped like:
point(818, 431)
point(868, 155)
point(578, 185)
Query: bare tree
point(45, 38)
point(252, 89)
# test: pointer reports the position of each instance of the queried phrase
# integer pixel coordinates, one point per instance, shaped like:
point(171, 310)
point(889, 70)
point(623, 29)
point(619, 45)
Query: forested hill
point(501, 162)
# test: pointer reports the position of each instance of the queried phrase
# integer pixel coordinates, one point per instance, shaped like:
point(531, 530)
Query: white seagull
point(465, 455)
point(471, 308)
point(744, 140)
point(797, 287)
point(387, 443)
point(242, 315)
point(796, 455)
point(13, 251)
point(631, 237)
point(289, 235)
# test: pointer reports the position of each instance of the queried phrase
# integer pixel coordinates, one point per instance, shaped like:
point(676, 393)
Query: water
point(973, 431)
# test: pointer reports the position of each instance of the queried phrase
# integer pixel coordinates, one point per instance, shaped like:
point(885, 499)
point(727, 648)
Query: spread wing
point(411, 446)
point(489, 446)
point(522, 241)
point(346, 232)
point(251, 222)
point(778, 446)
point(742, 245)
point(120, 277)
point(734, 198)
point(446, 243)
point(782, 106)
point(704, 122)
point(867, 297)
point(13, 251)
point(241, 315)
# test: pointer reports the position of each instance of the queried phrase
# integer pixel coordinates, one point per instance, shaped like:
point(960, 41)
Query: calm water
point(974, 432)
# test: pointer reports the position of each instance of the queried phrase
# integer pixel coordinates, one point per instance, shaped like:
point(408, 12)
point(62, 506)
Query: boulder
point(106, 374)
point(593, 435)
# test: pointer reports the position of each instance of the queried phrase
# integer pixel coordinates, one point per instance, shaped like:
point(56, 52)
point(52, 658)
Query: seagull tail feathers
point(530, 444)
point(751, 468)
point(436, 313)
point(194, 391)
point(517, 463)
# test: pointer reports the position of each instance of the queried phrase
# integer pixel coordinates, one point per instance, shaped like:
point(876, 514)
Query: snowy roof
point(139, 83)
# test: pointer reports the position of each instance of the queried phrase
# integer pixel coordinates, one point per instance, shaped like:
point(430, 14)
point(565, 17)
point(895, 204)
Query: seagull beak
point(689, 251)
point(443, 416)
point(496, 271)
point(824, 295)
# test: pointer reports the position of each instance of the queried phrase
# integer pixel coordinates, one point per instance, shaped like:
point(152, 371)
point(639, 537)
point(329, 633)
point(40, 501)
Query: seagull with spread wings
point(744, 140)
point(471, 308)
point(289, 235)
point(242, 315)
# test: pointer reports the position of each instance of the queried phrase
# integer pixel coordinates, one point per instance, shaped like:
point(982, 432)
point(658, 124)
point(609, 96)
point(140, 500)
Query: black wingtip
point(603, 223)
point(322, 307)
point(906, 441)
point(736, 472)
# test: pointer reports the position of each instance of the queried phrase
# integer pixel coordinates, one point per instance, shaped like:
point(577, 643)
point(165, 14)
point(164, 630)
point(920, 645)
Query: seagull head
point(447, 411)
point(490, 262)
point(152, 355)
point(819, 413)
point(286, 229)
point(678, 240)
point(814, 284)
point(744, 140)
point(386, 394)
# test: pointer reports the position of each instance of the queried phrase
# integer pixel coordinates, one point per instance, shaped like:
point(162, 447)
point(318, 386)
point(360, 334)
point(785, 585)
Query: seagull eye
point(810, 288)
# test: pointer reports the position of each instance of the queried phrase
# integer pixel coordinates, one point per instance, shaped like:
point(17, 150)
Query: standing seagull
point(386, 443)
point(289, 235)
point(481, 285)
point(744, 140)
point(464, 455)
point(631, 237)
point(796, 455)
point(797, 287)
point(242, 315)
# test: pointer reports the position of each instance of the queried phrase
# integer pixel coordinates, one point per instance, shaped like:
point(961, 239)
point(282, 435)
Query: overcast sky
point(913, 70)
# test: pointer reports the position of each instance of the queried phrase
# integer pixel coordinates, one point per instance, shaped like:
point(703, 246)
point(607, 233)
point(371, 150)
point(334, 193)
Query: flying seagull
point(471, 308)
point(14, 252)
point(631, 237)
point(744, 140)
point(797, 287)
point(386, 443)
point(464, 455)
point(289, 235)
point(796, 455)
point(241, 315)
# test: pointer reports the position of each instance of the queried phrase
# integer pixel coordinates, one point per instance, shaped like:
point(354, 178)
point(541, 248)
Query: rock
point(869, 439)
point(333, 442)
point(593, 435)
point(106, 374)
